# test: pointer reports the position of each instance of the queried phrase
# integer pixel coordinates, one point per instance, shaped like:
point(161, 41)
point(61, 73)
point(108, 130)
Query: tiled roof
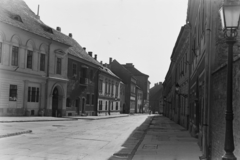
point(12, 8)
point(108, 71)
point(30, 22)
point(78, 51)
point(134, 71)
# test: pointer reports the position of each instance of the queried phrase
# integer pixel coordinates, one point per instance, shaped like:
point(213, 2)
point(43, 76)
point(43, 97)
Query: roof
point(108, 71)
point(133, 70)
point(10, 9)
point(77, 51)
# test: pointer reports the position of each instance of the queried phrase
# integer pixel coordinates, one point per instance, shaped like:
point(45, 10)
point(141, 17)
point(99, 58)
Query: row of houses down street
point(45, 72)
point(195, 84)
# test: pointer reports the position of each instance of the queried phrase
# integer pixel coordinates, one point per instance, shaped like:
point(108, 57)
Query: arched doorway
point(83, 105)
point(55, 102)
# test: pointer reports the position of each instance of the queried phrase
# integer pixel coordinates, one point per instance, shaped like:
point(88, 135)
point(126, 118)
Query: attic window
point(17, 18)
point(47, 29)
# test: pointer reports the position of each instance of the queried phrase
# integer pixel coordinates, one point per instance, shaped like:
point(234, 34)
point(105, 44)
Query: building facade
point(156, 98)
point(109, 93)
point(30, 84)
point(130, 85)
point(142, 82)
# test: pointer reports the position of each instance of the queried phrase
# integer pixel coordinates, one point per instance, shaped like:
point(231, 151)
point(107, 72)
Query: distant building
point(142, 82)
point(139, 100)
point(122, 97)
point(109, 93)
point(156, 98)
point(130, 85)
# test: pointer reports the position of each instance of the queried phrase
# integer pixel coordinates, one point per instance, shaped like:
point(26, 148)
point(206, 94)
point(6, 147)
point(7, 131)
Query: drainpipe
point(47, 76)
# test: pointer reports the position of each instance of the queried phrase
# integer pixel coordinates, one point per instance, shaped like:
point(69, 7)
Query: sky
point(142, 32)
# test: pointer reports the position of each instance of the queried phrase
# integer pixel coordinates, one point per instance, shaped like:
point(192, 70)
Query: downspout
point(208, 133)
point(96, 92)
point(47, 78)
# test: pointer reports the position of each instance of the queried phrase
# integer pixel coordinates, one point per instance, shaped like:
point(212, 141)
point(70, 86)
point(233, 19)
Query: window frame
point(59, 66)
point(13, 92)
point(42, 61)
point(29, 59)
point(14, 58)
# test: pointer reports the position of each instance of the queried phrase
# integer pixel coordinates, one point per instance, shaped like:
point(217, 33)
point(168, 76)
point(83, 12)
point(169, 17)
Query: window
point(100, 105)
point(0, 52)
point(109, 89)
point(112, 88)
point(33, 94)
point(13, 93)
point(42, 62)
point(116, 95)
point(88, 99)
point(116, 105)
point(106, 105)
point(93, 99)
point(106, 86)
point(59, 65)
point(29, 59)
point(14, 56)
point(68, 102)
point(91, 75)
point(100, 85)
point(74, 68)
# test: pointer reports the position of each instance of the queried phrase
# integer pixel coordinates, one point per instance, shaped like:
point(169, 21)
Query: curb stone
point(15, 134)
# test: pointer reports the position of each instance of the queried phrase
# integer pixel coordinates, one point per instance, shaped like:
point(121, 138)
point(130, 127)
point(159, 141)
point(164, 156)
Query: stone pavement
point(10, 131)
point(166, 140)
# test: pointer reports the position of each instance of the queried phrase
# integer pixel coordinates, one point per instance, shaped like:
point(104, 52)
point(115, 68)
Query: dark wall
point(218, 110)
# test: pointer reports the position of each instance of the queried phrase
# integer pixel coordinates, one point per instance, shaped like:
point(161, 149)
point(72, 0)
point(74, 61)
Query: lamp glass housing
point(177, 88)
point(230, 16)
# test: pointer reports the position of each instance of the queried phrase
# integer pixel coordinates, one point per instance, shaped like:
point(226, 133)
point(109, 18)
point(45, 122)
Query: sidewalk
point(41, 119)
point(166, 140)
point(98, 117)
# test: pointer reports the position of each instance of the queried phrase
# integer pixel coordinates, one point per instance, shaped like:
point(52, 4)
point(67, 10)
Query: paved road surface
point(69, 140)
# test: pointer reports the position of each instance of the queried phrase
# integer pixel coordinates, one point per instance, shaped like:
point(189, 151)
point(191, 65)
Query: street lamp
point(230, 13)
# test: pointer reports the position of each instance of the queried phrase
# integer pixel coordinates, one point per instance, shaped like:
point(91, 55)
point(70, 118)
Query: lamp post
point(230, 13)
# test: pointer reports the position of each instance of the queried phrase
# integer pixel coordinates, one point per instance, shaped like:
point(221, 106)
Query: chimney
point(101, 62)
point(38, 17)
point(70, 35)
point(90, 54)
point(95, 57)
point(110, 60)
point(59, 29)
point(84, 48)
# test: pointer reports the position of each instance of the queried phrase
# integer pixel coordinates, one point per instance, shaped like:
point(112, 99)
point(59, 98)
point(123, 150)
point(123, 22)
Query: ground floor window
point(68, 102)
point(13, 93)
point(33, 94)
point(116, 105)
point(100, 105)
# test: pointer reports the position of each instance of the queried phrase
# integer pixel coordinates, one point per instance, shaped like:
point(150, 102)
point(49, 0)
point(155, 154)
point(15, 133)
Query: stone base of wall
point(12, 112)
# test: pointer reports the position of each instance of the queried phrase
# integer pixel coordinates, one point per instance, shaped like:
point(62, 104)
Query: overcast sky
point(142, 32)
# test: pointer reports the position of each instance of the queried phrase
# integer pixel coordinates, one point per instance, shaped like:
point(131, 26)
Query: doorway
point(77, 106)
point(55, 102)
point(83, 105)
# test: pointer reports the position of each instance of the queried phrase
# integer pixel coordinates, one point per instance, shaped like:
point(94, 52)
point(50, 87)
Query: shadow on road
point(132, 143)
